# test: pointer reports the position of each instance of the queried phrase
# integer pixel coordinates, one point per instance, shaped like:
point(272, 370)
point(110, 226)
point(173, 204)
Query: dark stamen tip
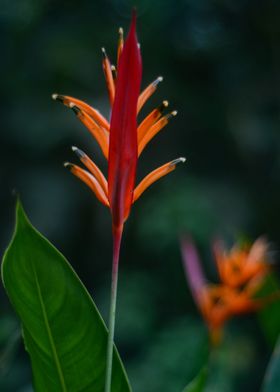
point(121, 32)
point(68, 165)
point(162, 106)
point(75, 108)
point(78, 152)
point(114, 72)
point(172, 114)
point(104, 53)
point(58, 97)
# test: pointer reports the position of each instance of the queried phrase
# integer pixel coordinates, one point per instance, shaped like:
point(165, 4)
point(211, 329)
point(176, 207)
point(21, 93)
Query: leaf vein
point(49, 333)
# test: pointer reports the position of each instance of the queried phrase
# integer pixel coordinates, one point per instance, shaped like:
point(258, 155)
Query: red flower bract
point(123, 147)
point(122, 140)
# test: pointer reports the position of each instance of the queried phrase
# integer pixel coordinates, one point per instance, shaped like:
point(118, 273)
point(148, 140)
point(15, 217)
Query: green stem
point(117, 237)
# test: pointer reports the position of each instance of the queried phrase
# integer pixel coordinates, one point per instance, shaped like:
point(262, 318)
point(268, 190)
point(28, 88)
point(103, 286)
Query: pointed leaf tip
point(21, 217)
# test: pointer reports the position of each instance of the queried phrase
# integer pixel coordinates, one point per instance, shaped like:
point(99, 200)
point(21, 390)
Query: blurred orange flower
point(241, 264)
point(242, 273)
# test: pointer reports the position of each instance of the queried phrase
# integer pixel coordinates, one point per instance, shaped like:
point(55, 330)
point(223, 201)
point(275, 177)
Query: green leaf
point(272, 376)
point(63, 330)
point(269, 315)
point(198, 383)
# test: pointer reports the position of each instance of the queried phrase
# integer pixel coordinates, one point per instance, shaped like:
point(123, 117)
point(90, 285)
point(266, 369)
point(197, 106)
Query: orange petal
point(90, 181)
point(108, 76)
point(120, 43)
point(258, 251)
point(93, 168)
point(154, 130)
point(150, 120)
point(98, 133)
point(220, 258)
point(66, 100)
point(154, 176)
point(145, 95)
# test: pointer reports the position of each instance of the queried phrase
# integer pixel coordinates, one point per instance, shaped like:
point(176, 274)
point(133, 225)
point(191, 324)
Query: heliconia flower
point(220, 302)
point(241, 264)
point(121, 140)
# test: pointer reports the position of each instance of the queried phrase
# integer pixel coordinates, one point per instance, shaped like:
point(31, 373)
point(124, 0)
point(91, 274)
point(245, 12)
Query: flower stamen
point(150, 120)
point(93, 168)
point(154, 130)
point(66, 100)
point(114, 73)
point(120, 44)
point(97, 132)
point(108, 76)
point(155, 175)
point(145, 95)
point(90, 181)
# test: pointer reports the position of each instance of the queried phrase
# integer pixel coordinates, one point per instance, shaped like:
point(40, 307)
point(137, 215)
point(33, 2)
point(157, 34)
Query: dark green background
point(221, 66)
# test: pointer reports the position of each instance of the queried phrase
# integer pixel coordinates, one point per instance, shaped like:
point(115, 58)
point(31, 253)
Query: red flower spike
point(123, 130)
point(121, 141)
point(118, 138)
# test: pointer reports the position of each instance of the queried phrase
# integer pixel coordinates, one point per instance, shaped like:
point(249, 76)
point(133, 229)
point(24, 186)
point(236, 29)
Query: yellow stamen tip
point(67, 164)
point(54, 96)
point(162, 106)
point(121, 31)
point(170, 115)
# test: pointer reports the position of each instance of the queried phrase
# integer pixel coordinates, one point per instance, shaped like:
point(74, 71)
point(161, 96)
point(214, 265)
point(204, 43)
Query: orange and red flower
point(242, 273)
point(121, 140)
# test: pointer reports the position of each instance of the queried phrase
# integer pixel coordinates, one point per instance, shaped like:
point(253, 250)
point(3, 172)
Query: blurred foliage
point(272, 376)
point(198, 383)
point(269, 316)
point(220, 60)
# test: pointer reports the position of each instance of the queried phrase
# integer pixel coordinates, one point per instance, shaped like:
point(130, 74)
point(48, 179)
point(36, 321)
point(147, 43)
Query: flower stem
point(117, 237)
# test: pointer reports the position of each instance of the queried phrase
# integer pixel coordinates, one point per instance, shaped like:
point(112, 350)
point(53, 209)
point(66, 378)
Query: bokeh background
point(220, 61)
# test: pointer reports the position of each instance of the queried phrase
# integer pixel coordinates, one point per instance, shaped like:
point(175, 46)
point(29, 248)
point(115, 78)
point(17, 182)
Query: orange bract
point(99, 128)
